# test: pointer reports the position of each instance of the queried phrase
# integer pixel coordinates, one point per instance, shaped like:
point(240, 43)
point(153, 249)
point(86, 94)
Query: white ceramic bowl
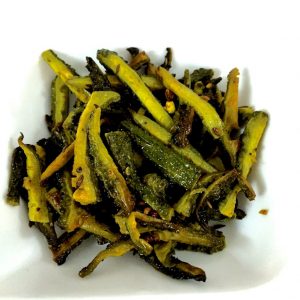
point(220, 36)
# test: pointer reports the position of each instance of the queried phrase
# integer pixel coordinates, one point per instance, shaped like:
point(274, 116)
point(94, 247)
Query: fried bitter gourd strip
point(121, 148)
point(164, 253)
point(206, 112)
point(247, 156)
point(132, 79)
point(37, 205)
point(59, 102)
point(65, 72)
point(86, 189)
point(231, 101)
point(105, 167)
point(90, 224)
point(17, 173)
point(165, 137)
point(116, 249)
point(174, 166)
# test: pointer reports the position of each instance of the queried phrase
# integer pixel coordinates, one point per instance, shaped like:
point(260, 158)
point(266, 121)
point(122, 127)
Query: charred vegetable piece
point(48, 230)
point(175, 167)
point(17, 173)
point(178, 272)
point(247, 156)
point(231, 100)
point(183, 126)
point(206, 112)
point(116, 249)
point(105, 167)
point(60, 161)
point(139, 60)
point(168, 59)
point(164, 253)
point(59, 102)
point(164, 136)
point(202, 75)
point(121, 148)
point(65, 72)
point(99, 80)
point(84, 180)
point(68, 242)
point(37, 207)
point(131, 78)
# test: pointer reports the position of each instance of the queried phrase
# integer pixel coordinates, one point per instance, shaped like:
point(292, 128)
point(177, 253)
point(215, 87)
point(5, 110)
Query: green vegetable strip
point(206, 112)
point(116, 249)
point(132, 79)
point(165, 137)
point(65, 72)
point(105, 167)
point(187, 203)
point(177, 168)
point(231, 100)
point(69, 126)
point(80, 82)
point(192, 237)
point(144, 247)
point(37, 204)
point(90, 224)
point(59, 102)
point(83, 180)
point(247, 156)
point(121, 148)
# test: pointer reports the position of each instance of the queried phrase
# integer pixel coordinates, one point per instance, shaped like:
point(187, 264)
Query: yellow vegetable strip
point(83, 181)
point(231, 101)
point(132, 79)
point(58, 162)
point(37, 205)
point(62, 70)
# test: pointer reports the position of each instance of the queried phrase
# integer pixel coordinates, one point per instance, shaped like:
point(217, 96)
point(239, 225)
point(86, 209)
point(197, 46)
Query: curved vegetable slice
point(247, 156)
point(116, 249)
point(105, 167)
point(132, 79)
point(65, 72)
point(164, 136)
point(86, 189)
point(37, 205)
point(206, 112)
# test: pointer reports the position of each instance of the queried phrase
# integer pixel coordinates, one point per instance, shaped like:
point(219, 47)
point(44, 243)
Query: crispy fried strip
point(132, 79)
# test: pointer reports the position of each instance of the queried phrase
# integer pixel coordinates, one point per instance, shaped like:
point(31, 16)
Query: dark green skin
point(99, 80)
point(177, 168)
point(121, 148)
point(48, 230)
point(174, 271)
point(17, 173)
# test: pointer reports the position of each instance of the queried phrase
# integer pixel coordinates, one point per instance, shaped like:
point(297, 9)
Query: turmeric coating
point(138, 159)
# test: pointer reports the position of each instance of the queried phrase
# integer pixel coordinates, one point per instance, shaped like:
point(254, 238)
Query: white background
point(261, 38)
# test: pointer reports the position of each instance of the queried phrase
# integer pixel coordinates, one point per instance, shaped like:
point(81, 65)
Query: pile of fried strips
point(139, 160)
